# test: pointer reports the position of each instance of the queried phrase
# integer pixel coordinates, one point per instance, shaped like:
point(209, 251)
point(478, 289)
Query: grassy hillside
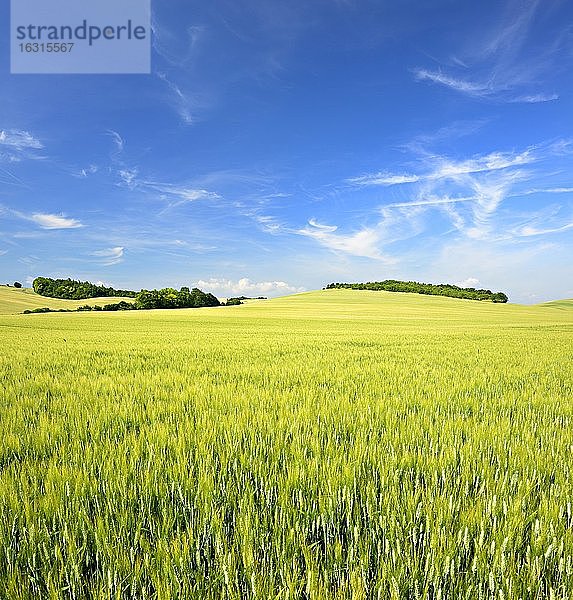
point(328, 445)
point(14, 301)
point(565, 304)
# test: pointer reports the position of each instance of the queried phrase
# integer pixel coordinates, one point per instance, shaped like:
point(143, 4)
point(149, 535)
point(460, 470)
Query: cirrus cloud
point(110, 256)
point(48, 221)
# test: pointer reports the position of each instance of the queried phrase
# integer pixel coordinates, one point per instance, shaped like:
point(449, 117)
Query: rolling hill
point(14, 301)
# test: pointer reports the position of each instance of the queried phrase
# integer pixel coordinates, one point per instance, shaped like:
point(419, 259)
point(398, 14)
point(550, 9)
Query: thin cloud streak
point(110, 256)
point(431, 202)
point(536, 98)
point(48, 221)
point(530, 231)
point(450, 169)
point(182, 102)
point(43, 220)
point(502, 66)
point(176, 194)
point(472, 88)
point(117, 140)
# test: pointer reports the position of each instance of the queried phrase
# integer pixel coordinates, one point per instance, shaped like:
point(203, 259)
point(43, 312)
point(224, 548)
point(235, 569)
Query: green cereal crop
point(329, 445)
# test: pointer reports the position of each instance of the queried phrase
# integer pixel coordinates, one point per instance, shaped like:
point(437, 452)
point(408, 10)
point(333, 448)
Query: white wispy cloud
point(118, 141)
point(128, 177)
point(469, 192)
point(385, 179)
point(536, 98)
point(245, 286)
point(495, 161)
point(269, 223)
point(174, 194)
point(490, 193)
point(364, 242)
point(472, 88)
point(447, 168)
point(110, 256)
point(431, 201)
point(19, 139)
point(17, 145)
point(560, 190)
point(528, 231)
point(181, 193)
point(510, 31)
point(181, 101)
point(48, 221)
point(505, 63)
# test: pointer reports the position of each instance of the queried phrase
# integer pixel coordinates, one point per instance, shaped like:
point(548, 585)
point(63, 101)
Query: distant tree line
point(144, 300)
point(233, 302)
point(171, 298)
point(123, 305)
point(442, 289)
point(70, 289)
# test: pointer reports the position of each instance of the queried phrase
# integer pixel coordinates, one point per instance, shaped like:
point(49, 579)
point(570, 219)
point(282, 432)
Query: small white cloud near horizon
point(48, 221)
point(245, 286)
point(469, 282)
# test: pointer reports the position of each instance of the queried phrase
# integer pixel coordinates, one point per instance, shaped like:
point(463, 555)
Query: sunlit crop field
point(339, 444)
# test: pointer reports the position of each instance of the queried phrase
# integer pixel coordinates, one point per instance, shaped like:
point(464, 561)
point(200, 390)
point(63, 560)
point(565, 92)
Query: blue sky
point(281, 145)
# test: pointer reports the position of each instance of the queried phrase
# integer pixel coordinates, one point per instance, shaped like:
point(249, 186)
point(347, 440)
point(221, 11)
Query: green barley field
point(329, 445)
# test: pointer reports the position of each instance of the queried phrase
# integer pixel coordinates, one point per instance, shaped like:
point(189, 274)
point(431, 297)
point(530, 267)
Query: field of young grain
point(330, 445)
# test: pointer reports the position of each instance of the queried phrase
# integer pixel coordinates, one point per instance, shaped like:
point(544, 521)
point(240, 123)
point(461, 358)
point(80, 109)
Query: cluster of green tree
point(442, 289)
point(71, 289)
point(171, 298)
point(251, 298)
point(123, 305)
point(144, 300)
point(234, 301)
